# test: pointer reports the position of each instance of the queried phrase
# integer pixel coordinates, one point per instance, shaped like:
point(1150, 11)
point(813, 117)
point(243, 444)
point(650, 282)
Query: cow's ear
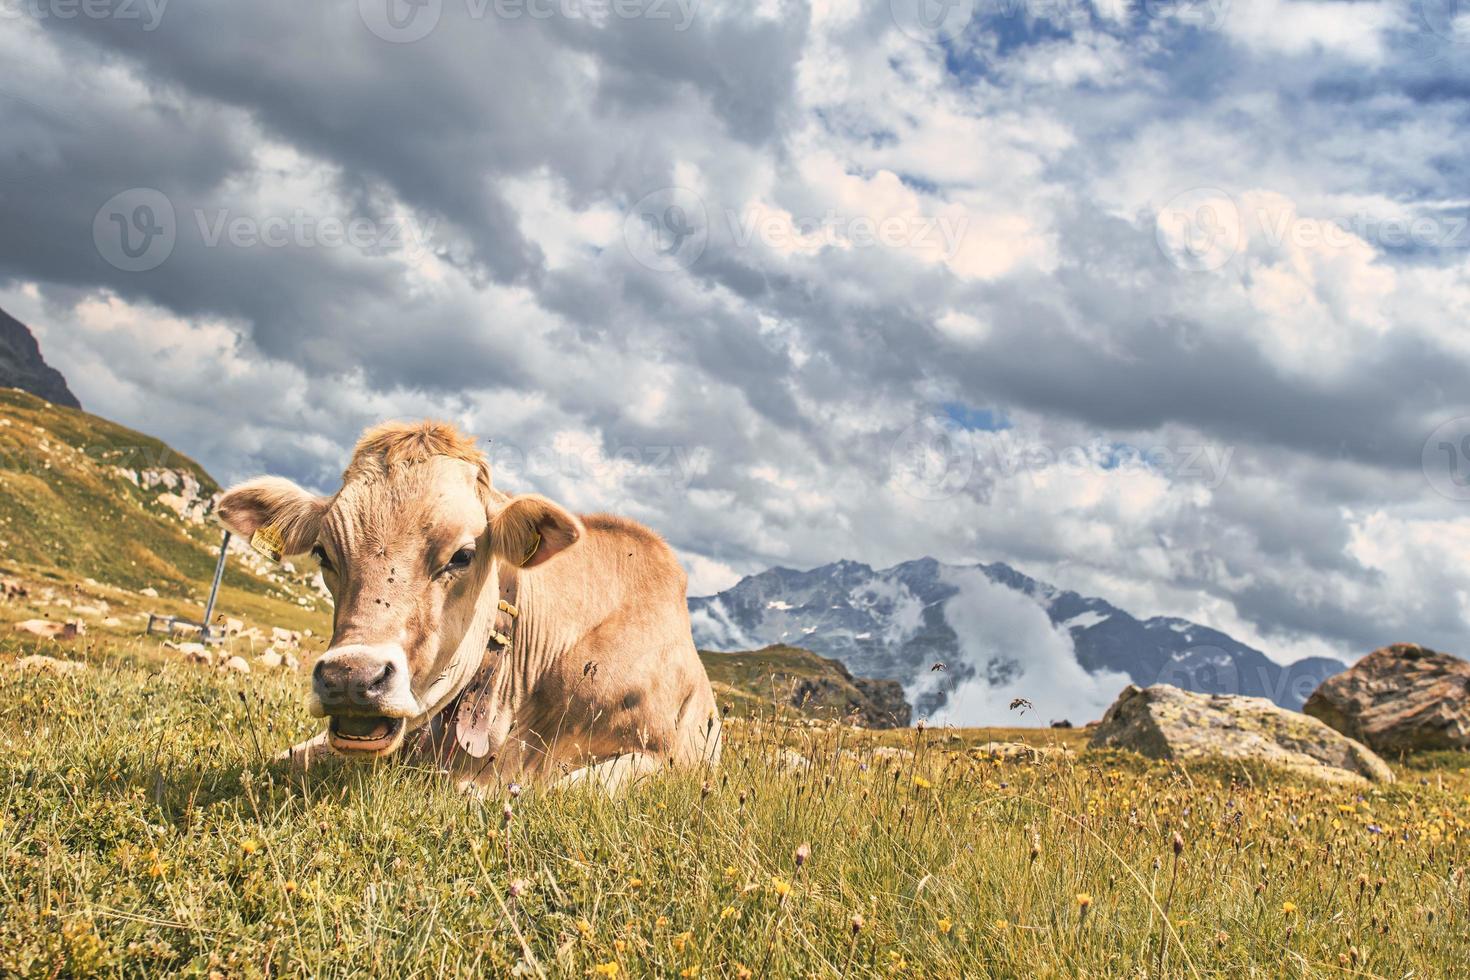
point(531, 529)
point(273, 502)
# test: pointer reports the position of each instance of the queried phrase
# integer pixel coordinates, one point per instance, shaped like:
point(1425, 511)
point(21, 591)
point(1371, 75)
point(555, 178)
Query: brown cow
point(501, 637)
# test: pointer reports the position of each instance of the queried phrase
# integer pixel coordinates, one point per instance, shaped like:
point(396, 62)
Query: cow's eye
point(320, 554)
point(460, 560)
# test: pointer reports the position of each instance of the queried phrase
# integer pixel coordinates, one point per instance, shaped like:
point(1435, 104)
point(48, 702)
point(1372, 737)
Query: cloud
point(1219, 421)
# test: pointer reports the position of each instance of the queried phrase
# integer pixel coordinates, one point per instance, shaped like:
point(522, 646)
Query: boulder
point(49, 665)
point(237, 664)
point(49, 630)
point(1164, 722)
point(270, 660)
point(1402, 698)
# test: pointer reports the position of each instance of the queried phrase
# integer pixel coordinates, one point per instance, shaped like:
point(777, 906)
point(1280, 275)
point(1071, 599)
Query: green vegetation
point(71, 518)
point(144, 829)
point(795, 683)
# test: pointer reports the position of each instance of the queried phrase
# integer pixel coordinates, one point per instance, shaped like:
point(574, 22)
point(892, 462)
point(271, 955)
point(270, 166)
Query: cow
point(499, 638)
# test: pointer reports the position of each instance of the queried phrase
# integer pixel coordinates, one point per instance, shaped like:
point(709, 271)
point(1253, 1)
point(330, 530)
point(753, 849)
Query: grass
point(144, 831)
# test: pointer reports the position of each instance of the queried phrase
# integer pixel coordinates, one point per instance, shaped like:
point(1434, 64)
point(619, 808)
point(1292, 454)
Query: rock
point(49, 665)
point(1021, 752)
point(1402, 698)
point(112, 621)
point(233, 627)
point(270, 660)
point(284, 637)
point(49, 630)
point(149, 592)
point(292, 663)
point(1164, 722)
point(1064, 723)
point(892, 752)
point(237, 664)
point(13, 589)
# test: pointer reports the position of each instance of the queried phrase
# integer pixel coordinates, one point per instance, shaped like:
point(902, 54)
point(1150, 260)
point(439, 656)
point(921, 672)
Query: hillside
point(23, 367)
point(999, 633)
point(751, 682)
point(90, 507)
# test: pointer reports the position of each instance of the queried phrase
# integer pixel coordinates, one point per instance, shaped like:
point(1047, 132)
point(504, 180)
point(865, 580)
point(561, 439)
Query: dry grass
point(145, 831)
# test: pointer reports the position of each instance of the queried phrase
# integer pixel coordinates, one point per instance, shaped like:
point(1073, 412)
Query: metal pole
point(219, 573)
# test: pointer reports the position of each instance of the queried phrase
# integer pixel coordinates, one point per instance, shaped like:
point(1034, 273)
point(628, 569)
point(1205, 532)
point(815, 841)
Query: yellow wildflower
point(249, 846)
point(1288, 907)
point(584, 927)
point(945, 925)
point(1083, 900)
point(609, 969)
point(922, 783)
point(781, 886)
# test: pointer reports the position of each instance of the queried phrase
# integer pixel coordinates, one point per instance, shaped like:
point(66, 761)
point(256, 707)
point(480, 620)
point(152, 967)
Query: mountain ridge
point(23, 367)
point(955, 642)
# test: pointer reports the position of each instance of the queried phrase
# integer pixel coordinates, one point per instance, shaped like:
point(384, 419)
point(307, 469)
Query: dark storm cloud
point(792, 373)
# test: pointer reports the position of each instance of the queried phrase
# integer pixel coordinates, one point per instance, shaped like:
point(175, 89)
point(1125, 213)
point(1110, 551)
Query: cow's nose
point(359, 678)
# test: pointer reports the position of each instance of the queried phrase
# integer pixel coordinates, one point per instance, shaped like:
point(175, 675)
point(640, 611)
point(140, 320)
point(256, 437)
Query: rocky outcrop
point(1164, 722)
point(886, 706)
point(21, 365)
point(1402, 698)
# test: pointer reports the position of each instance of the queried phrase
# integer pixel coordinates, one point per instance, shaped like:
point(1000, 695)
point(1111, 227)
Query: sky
point(1164, 301)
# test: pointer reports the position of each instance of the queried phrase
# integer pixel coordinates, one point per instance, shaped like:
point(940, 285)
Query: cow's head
point(410, 547)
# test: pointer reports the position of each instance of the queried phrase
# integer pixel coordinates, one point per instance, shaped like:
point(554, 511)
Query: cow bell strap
point(471, 713)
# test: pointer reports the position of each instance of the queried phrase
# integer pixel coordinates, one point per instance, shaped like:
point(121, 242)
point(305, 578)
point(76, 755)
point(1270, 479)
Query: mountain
point(21, 365)
point(966, 641)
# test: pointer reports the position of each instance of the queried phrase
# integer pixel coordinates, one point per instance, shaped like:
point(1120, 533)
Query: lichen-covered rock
point(1402, 698)
point(1166, 723)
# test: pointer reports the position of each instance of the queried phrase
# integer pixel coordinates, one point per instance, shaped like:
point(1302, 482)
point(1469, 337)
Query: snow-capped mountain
point(999, 635)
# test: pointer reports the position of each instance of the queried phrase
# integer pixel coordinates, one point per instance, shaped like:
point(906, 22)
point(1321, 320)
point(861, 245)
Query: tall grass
point(145, 831)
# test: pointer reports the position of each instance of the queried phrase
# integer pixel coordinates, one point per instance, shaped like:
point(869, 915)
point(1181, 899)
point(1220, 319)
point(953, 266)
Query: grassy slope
point(67, 516)
point(142, 828)
point(754, 682)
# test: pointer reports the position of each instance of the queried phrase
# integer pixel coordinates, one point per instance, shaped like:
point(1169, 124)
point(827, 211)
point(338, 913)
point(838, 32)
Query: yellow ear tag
point(531, 552)
point(267, 540)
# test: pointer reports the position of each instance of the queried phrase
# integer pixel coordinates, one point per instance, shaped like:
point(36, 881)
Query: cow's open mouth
point(364, 733)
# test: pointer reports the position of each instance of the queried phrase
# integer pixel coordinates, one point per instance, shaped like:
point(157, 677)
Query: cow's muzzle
point(365, 693)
